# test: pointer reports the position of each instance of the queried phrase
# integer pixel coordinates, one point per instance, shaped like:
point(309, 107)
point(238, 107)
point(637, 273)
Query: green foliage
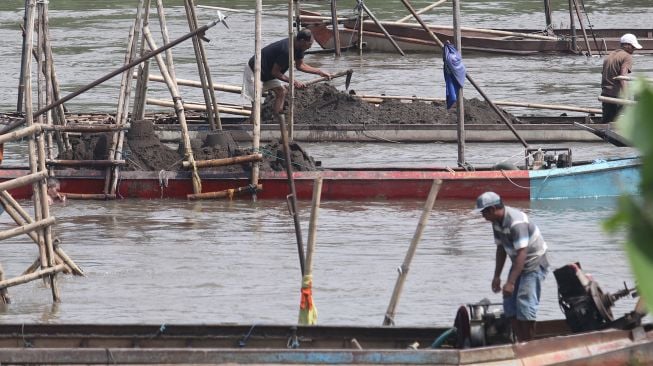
point(635, 214)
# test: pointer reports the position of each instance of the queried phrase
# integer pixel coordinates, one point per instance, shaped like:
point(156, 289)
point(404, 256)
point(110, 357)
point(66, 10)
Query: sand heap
point(323, 104)
point(145, 152)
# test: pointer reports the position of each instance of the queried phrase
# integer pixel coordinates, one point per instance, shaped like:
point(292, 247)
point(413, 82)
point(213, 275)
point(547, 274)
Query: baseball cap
point(630, 39)
point(487, 199)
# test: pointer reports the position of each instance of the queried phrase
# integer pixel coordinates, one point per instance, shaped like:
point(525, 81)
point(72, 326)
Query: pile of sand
point(144, 151)
point(323, 104)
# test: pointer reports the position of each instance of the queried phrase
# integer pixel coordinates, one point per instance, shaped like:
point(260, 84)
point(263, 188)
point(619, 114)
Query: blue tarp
point(454, 73)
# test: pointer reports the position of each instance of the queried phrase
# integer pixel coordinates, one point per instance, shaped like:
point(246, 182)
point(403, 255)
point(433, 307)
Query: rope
point(510, 180)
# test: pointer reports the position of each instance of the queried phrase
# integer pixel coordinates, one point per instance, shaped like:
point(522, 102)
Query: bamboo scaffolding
point(224, 162)
point(229, 193)
point(138, 112)
point(196, 84)
point(179, 110)
point(21, 217)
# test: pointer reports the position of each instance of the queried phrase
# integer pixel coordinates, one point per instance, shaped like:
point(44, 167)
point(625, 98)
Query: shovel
point(347, 73)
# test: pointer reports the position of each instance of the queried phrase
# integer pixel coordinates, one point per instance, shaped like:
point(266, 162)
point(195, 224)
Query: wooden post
point(547, 14)
point(334, 25)
point(460, 103)
point(256, 107)
point(203, 69)
point(403, 270)
point(179, 110)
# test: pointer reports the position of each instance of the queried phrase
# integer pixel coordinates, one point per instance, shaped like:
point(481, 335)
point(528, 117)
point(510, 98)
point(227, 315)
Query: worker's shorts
point(525, 300)
point(248, 84)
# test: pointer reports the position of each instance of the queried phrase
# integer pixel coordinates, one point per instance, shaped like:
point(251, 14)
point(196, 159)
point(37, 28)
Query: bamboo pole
point(86, 128)
point(226, 161)
point(33, 276)
point(334, 25)
point(89, 196)
point(179, 109)
point(308, 312)
point(471, 80)
point(497, 32)
point(229, 193)
point(630, 78)
point(619, 101)
point(37, 225)
point(258, 91)
point(582, 27)
point(572, 27)
point(547, 14)
point(49, 90)
point(460, 102)
point(24, 59)
point(198, 107)
point(78, 163)
point(421, 11)
point(385, 32)
point(24, 180)
point(403, 270)
point(196, 84)
point(19, 134)
point(202, 68)
point(361, 22)
point(291, 75)
point(292, 197)
point(115, 150)
point(138, 112)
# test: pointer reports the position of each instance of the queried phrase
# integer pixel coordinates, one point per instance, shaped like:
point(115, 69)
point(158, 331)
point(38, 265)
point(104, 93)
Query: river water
point(164, 261)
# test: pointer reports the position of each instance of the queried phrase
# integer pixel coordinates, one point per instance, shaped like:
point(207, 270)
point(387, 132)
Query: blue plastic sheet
point(454, 73)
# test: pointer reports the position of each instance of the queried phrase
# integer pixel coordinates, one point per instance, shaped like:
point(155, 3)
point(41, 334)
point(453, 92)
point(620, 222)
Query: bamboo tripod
point(51, 258)
point(167, 70)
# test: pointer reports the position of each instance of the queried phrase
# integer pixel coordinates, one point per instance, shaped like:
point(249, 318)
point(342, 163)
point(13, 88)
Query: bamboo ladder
point(166, 67)
point(51, 258)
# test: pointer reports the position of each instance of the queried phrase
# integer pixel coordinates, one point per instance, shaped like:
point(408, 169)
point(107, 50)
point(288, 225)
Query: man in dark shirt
point(274, 64)
point(617, 63)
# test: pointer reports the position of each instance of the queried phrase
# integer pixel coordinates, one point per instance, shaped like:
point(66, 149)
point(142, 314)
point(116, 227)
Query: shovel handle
point(333, 76)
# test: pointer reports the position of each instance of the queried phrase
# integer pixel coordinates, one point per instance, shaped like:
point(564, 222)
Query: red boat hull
point(337, 185)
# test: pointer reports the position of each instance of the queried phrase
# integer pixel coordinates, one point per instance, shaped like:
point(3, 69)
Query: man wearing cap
point(520, 239)
point(618, 63)
point(274, 64)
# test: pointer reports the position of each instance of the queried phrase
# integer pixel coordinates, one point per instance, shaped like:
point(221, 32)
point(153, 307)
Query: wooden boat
point(411, 37)
point(582, 179)
point(273, 344)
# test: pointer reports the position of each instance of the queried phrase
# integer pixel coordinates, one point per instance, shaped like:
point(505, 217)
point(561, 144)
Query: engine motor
point(582, 301)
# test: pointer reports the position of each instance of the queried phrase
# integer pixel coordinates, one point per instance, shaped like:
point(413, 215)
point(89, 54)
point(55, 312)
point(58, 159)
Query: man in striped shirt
point(520, 239)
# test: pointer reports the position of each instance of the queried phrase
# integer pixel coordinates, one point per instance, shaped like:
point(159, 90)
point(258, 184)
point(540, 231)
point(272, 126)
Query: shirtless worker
point(618, 63)
point(275, 63)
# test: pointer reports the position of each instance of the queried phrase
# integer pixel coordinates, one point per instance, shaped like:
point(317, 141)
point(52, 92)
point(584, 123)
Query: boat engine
point(482, 325)
point(548, 158)
point(582, 301)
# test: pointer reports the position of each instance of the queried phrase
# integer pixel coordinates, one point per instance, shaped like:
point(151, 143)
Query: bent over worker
point(520, 239)
point(617, 63)
point(274, 64)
